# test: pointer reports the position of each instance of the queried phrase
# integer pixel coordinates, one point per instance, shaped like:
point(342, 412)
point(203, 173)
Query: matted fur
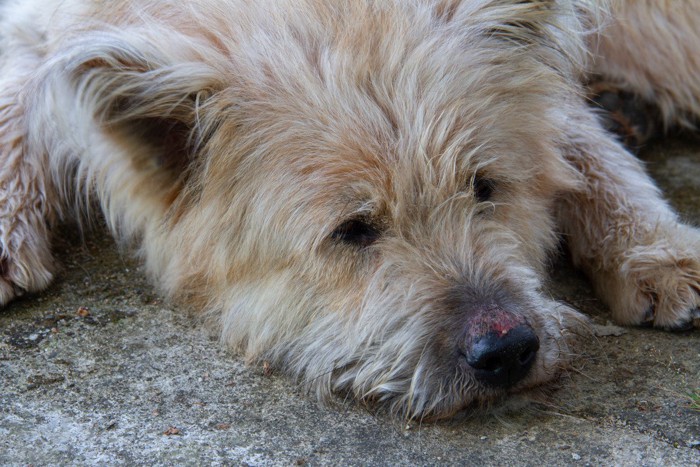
point(231, 140)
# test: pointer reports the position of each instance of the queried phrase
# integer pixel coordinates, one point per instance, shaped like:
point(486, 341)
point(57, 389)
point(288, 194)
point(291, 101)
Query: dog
point(364, 194)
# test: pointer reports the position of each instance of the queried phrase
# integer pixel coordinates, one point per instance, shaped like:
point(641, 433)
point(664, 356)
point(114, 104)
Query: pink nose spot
point(493, 319)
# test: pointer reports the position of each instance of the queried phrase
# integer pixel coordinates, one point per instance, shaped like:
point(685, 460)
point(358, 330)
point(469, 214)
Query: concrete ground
point(98, 370)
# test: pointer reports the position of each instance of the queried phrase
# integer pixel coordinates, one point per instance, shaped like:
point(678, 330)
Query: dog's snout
point(503, 359)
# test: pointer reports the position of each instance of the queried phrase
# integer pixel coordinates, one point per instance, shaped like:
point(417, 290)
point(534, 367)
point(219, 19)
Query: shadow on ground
point(98, 370)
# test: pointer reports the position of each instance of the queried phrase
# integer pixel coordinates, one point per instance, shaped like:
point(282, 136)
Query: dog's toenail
point(648, 320)
point(649, 314)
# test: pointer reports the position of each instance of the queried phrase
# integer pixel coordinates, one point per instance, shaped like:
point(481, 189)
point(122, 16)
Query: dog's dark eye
point(483, 189)
point(356, 232)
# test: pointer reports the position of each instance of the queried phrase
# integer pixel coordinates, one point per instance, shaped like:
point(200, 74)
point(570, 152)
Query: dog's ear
point(551, 30)
point(146, 94)
point(524, 22)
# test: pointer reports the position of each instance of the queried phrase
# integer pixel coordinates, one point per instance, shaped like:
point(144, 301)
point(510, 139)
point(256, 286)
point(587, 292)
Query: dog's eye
point(483, 189)
point(356, 232)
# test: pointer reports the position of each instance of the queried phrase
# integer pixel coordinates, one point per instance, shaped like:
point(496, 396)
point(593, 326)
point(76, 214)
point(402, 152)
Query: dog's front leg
point(643, 262)
point(26, 191)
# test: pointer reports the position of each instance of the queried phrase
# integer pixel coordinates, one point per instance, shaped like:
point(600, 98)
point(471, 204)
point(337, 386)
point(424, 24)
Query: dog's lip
point(489, 399)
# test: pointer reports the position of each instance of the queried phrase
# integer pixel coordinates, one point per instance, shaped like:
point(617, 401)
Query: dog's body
point(363, 193)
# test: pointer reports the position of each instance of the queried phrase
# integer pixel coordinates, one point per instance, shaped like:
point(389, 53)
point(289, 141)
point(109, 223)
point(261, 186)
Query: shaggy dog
point(363, 193)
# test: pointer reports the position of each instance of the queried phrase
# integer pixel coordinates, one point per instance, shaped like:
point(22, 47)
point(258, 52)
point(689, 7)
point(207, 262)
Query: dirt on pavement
point(99, 370)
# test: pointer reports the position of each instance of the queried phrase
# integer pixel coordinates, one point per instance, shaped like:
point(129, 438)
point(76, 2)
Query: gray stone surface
point(98, 370)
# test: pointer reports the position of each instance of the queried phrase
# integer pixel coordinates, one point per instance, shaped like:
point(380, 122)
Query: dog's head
point(359, 192)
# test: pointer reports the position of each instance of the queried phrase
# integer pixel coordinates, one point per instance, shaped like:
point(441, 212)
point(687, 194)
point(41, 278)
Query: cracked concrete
point(98, 370)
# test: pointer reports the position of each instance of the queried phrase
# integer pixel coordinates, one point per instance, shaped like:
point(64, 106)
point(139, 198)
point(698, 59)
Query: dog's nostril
point(527, 357)
point(503, 359)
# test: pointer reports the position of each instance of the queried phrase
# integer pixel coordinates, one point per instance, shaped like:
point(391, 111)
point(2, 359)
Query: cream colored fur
point(229, 139)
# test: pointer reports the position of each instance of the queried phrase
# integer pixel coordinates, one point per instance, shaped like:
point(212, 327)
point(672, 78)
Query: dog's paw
point(659, 284)
point(23, 271)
